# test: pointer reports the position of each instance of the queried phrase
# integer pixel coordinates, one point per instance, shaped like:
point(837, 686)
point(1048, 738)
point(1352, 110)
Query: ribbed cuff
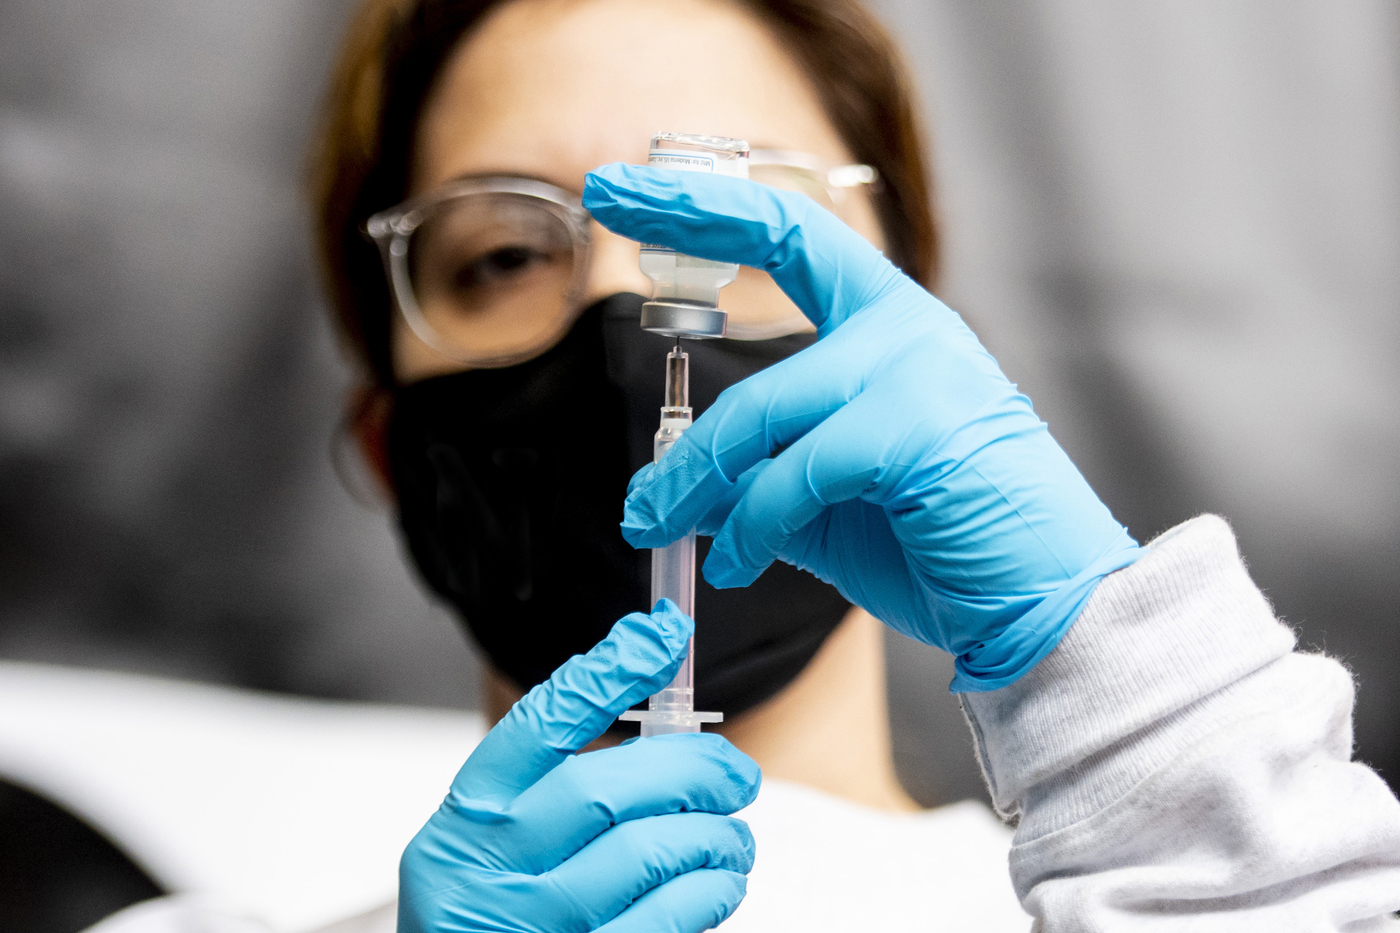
point(1006, 658)
point(1182, 623)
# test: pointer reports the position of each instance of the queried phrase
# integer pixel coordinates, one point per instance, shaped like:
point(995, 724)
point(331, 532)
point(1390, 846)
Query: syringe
point(673, 573)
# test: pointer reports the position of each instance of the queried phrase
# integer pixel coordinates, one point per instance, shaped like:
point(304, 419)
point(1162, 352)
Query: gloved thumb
point(577, 704)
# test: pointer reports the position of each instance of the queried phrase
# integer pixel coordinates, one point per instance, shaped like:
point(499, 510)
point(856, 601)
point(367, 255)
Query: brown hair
point(394, 49)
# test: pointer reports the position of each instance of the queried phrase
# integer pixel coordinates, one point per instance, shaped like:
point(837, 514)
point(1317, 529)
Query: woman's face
point(554, 88)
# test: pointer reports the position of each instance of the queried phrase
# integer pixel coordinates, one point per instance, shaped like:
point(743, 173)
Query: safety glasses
point(490, 270)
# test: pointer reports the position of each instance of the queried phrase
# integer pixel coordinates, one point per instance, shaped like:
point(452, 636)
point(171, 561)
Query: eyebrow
point(505, 173)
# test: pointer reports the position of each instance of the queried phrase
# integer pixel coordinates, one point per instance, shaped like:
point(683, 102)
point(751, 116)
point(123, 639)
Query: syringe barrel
point(673, 566)
point(673, 577)
point(672, 709)
point(673, 574)
point(675, 414)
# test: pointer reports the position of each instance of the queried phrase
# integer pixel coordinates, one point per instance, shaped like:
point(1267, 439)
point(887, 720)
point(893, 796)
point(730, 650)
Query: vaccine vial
point(685, 289)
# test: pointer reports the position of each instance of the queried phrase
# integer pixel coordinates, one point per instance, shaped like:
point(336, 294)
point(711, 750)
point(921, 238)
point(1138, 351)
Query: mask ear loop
point(359, 451)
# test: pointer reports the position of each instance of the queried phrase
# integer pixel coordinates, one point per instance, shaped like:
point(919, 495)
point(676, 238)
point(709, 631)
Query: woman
point(513, 396)
point(579, 564)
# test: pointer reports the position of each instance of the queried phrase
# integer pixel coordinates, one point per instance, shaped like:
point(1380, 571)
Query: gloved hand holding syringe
point(685, 303)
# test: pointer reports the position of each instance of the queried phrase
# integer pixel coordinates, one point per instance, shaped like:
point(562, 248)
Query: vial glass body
point(685, 289)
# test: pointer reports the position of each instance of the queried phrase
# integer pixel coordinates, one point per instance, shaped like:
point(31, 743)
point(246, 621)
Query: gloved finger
point(852, 546)
point(584, 796)
point(558, 717)
point(825, 267)
point(839, 460)
point(634, 857)
point(697, 900)
point(713, 520)
point(747, 423)
point(888, 351)
point(640, 477)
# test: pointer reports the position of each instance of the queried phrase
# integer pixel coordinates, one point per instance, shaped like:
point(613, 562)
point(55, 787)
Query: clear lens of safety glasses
point(488, 271)
point(758, 309)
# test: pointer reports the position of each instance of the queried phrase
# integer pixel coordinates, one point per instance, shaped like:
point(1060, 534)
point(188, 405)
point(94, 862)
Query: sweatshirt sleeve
point(1175, 764)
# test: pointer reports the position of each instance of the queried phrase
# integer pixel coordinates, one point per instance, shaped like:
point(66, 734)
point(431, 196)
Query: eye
point(498, 267)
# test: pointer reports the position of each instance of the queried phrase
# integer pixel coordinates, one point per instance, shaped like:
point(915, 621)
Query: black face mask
point(510, 485)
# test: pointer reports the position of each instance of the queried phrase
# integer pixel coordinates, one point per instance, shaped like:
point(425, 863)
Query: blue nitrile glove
point(634, 838)
point(892, 458)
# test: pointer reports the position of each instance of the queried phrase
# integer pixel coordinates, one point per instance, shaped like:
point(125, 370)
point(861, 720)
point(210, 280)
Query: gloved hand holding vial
point(684, 303)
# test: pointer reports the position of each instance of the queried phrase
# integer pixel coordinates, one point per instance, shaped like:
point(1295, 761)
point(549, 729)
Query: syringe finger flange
point(669, 722)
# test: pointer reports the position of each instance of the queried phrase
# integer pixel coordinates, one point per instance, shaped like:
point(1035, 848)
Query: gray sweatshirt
point(1175, 764)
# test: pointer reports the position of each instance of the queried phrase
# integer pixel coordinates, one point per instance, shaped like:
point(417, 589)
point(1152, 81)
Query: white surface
point(178, 913)
point(293, 811)
point(825, 864)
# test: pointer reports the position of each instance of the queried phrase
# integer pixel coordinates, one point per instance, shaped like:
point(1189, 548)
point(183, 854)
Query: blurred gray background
point(1176, 224)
